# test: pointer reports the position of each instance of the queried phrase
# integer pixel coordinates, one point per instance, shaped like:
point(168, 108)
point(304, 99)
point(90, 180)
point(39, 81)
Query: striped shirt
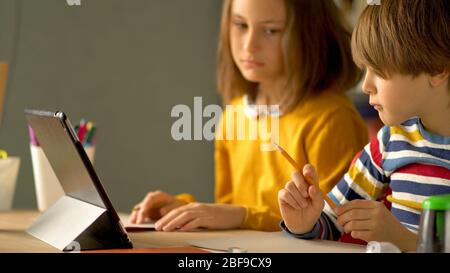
point(413, 162)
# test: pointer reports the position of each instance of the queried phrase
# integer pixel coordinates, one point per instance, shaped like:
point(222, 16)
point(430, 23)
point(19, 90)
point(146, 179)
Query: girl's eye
point(240, 25)
point(271, 31)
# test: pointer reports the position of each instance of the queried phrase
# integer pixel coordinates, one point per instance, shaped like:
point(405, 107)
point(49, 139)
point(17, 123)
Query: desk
point(13, 238)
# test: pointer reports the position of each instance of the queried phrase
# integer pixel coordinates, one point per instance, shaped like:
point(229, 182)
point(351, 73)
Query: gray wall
point(123, 65)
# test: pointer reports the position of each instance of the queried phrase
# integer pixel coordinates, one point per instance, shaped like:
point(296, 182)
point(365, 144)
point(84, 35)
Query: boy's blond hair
point(409, 37)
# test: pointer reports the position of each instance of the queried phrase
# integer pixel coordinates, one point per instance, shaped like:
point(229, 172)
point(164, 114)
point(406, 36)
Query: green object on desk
point(434, 221)
point(438, 202)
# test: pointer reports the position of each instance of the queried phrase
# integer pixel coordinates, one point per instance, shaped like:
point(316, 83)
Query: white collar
point(252, 110)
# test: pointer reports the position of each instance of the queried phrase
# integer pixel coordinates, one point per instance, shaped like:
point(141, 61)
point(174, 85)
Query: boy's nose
point(368, 85)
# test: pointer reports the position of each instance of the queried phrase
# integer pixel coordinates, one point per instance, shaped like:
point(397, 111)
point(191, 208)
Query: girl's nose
point(251, 42)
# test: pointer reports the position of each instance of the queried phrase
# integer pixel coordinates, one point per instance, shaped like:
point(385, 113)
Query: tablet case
point(84, 218)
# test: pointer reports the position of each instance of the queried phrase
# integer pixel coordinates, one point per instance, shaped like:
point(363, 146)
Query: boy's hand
point(372, 221)
point(300, 203)
point(154, 206)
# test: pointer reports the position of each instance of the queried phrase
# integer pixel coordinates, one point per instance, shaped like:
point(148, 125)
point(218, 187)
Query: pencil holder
point(9, 169)
point(48, 188)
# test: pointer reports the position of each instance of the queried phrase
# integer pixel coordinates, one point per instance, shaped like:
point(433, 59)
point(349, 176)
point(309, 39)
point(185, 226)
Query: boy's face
point(398, 98)
point(256, 32)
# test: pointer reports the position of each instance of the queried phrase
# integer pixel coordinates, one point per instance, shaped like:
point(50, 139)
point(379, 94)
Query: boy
point(404, 46)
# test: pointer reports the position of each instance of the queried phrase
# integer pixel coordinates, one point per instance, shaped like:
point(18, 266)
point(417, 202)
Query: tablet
point(85, 216)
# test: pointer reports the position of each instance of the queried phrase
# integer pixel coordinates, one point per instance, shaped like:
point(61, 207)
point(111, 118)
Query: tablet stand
point(74, 225)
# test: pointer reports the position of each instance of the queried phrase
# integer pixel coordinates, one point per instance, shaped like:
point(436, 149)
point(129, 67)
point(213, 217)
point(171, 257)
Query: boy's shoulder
point(408, 130)
point(414, 132)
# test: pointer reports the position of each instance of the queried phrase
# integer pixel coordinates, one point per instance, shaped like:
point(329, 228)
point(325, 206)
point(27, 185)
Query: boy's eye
point(375, 72)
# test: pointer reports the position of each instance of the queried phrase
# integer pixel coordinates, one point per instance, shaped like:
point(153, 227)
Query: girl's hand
point(154, 206)
point(201, 215)
point(372, 221)
point(300, 203)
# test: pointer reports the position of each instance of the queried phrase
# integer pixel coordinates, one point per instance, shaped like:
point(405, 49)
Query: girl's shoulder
point(327, 102)
point(239, 100)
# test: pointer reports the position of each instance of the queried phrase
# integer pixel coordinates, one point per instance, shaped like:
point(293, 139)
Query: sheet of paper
point(275, 242)
point(148, 225)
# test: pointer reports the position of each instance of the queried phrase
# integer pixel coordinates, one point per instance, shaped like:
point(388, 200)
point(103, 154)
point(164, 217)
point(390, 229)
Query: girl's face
point(398, 98)
point(256, 33)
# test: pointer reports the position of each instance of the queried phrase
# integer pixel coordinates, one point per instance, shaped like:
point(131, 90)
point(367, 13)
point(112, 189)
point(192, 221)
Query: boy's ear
point(439, 79)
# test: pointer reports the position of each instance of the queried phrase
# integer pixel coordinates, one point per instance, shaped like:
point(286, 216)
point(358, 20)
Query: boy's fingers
point(354, 204)
point(356, 214)
point(358, 225)
point(300, 183)
point(285, 197)
point(316, 197)
point(295, 193)
point(310, 172)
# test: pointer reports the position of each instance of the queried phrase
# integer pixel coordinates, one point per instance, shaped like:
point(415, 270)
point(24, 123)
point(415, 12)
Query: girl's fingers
point(167, 208)
point(161, 223)
point(193, 224)
point(179, 221)
point(133, 216)
point(150, 201)
point(141, 215)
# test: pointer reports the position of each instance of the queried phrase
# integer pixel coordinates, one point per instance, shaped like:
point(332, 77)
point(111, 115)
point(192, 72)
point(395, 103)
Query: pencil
point(299, 169)
point(406, 203)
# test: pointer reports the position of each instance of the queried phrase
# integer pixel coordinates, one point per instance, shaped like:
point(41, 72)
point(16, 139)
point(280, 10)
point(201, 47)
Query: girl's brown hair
point(316, 52)
point(408, 37)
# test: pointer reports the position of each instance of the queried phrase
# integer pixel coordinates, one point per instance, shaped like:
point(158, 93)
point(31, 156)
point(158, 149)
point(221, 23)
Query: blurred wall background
point(123, 65)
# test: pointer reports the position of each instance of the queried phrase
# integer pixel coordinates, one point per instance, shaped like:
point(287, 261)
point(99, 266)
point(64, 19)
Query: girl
point(291, 53)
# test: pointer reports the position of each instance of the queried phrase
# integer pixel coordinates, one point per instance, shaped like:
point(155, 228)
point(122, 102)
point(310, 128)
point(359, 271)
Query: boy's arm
point(324, 229)
point(365, 180)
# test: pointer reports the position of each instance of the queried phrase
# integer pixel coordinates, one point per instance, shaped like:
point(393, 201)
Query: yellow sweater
point(325, 131)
